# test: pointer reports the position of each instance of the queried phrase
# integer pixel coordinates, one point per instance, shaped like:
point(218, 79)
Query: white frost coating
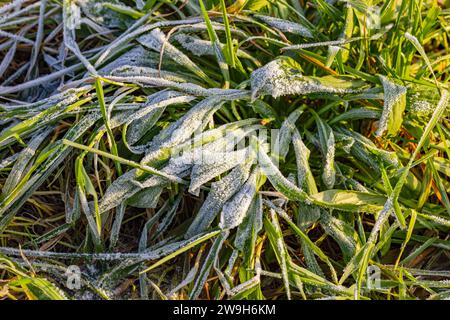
point(140, 71)
point(234, 210)
point(190, 88)
point(172, 169)
point(422, 108)
point(357, 185)
point(361, 141)
point(347, 144)
point(277, 79)
point(230, 138)
point(15, 37)
point(221, 191)
point(251, 224)
point(333, 43)
point(132, 258)
point(335, 228)
point(196, 46)
point(200, 47)
point(279, 182)
point(157, 41)
point(383, 216)
point(24, 160)
point(64, 98)
point(137, 30)
point(141, 121)
point(329, 172)
point(138, 57)
point(154, 40)
point(286, 130)
point(7, 161)
point(217, 157)
point(212, 165)
point(126, 186)
point(286, 26)
point(181, 130)
point(438, 220)
point(147, 198)
point(7, 18)
point(392, 94)
point(419, 48)
point(13, 5)
point(121, 189)
point(201, 26)
point(302, 157)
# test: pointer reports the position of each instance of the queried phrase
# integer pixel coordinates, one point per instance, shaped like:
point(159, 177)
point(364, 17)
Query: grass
point(116, 157)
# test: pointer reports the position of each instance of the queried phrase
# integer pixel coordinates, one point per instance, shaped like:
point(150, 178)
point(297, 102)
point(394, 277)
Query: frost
point(286, 131)
point(277, 78)
point(131, 71)
point(200, 47)
point(221, 191)
point(14, 5)
point(147, 198)
point(189, 88)
point(279, 182)
point(157, 41)
point(15, 37)
point(347, 144)
point(182, 129)
point(422, 108)
point(393, 95)
point(24, 160)
point(136, 57)
point(355, 185)
point(286, 26)
point(212, 165)
point(121, 189)
point(327, 146)
point(217, 157)
point(364, 147)
point(338, 230)
point(383, 216)
point(7, 161)
point(128, 258)
point(329, 172)
point(98, 12)
point(127, 186)
point(201, 26)
point(144, 119)
point(252, 223)
point(196, 46)
point(438, 220)
point(302, 159)
point(234, 210)
point(62, 99)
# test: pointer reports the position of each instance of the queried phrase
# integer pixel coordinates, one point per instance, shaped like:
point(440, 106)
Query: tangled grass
point(132, 149)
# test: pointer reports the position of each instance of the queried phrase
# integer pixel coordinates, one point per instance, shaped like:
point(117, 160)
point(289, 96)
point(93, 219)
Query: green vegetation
point(116, 158)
